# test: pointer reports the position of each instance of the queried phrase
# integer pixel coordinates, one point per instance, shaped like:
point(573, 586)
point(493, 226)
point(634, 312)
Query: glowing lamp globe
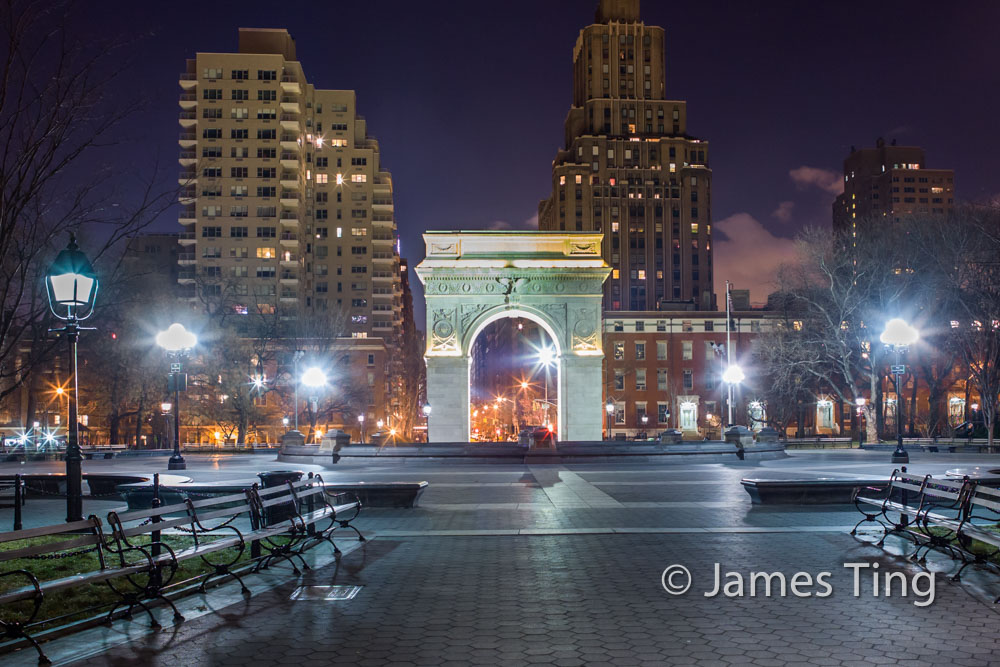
point(733, 375)
point(314, 377)
point(176, 338)
point(899, 333)
point(71, 284)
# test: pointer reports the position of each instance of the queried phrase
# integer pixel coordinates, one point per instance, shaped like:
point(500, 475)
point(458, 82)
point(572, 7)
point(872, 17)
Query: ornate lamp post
point(610, 409)
point(898, 335)
point(72, 288)
point(177, 341)
point(361, 427)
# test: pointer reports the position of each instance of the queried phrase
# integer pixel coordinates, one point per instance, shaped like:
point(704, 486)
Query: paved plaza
point(562, 564)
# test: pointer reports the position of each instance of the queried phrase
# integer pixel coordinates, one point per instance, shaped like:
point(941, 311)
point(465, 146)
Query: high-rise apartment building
point(891, 181)
point(629, 168)
point(285, 204)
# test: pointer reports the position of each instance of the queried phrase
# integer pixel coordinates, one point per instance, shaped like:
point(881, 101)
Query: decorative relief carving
point(443, 249)
point(509, 286)
point(586, 334)
point(443, 336)
point(470, 311)
point(576, 248)
point(557, 313)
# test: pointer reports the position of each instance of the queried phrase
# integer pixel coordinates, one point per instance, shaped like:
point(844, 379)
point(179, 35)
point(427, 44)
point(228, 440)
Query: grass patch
point(85, 600)
point(973, 546)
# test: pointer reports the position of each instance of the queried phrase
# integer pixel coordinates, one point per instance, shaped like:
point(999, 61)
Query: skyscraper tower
point(891, 182)
point(285, 204)
point(630, 169)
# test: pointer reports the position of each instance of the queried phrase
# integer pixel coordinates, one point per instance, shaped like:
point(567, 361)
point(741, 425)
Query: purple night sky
point(467, 99)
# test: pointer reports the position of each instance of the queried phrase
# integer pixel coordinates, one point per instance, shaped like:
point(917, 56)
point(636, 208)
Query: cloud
point(825, 179)
point(784, 211)
point(530, 224)
point(748, 255)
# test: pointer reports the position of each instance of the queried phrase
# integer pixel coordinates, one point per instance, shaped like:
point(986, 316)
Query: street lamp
point(315, 379)
point(361, 422)
point(731, 376)
point(897, 336)
point(177, 341)
point(547, 358)
point(610, 409)
point(72, 289)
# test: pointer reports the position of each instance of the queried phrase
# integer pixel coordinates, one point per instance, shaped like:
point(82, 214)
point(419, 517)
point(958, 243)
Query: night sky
point(467, 99)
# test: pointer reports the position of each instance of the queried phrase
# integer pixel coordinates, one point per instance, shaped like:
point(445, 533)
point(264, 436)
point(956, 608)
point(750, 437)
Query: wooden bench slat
point(26, 592)
point(232, 498)
point(50, 547)
point(151, 527)
point(43, 531)
point(224, 512)
point(139, 515)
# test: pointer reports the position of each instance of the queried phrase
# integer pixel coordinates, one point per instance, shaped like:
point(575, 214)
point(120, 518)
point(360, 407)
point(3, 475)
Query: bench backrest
point(906, 482)
point(944, 491)
point(986, 501)
point(299, 497)
point(57, 540)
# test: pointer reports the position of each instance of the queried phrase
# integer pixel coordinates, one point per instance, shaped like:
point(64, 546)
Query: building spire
point(623, 11)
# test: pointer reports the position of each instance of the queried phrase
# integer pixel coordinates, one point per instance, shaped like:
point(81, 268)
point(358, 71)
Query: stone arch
point(552, 278)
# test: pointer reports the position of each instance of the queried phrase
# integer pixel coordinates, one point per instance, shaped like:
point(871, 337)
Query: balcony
point(382, 204)
point(188, 80)
point(384, 325)
point(291, 142)
point(187, 197)
point(185, 258)
point(290, 180)
point(290, 219)
point(186, 238)
point(290, 103)
point(384, 256)
point(289, 259)
point(384, 275)
point(289, 277)
point(288, 239)
point(187, 216)
point(289, 121)
point(188, 139)
point(383, 219)
point(290, 84)
point(186, 277)
point(188, 118)
point(188, 177)
point(188, 158)
point(289, 160)
point(289, 198)
point(188, 100)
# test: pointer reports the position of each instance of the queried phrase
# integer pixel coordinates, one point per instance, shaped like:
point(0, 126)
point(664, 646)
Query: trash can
point(271, 478)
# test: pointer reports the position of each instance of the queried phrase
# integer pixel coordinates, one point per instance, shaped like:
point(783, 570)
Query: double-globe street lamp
point(72, 289)
point(177, 341)
point(898, 335)
point(610, 408)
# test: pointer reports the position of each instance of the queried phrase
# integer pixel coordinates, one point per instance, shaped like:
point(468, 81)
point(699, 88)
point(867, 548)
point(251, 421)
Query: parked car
point(535, 435)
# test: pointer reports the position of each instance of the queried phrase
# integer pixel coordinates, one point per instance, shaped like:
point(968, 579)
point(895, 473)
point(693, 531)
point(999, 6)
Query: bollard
point(254, 526)
point(155, 576)
point(310, 506)
point(18, 500)
point(904, 520)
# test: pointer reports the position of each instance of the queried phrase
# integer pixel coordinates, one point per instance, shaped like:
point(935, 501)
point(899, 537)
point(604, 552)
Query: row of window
point(662, 382)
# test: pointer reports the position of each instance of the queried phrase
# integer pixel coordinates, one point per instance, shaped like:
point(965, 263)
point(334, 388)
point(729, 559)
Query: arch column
point(448, 395)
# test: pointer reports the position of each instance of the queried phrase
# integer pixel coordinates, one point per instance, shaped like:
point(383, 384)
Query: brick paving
point(561, 565)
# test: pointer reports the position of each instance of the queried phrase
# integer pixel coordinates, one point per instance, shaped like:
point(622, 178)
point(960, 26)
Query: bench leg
point(361, 538)
point(221, 571)
point(16, 631)
point(854, 531)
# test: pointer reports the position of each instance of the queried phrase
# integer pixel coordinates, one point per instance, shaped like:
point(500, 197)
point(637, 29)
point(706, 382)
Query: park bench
point(982, 509)
point(302, 514)
point(912, 506)
point(61, 541)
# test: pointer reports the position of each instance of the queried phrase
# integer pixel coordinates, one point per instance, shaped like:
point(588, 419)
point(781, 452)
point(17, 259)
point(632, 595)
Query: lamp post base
point(176, 462)
point(900, 455)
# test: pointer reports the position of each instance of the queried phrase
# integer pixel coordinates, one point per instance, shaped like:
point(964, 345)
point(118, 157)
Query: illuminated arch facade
point(552, 278)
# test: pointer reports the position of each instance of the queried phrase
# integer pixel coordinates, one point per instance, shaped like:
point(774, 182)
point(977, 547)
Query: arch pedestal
point(553, 278)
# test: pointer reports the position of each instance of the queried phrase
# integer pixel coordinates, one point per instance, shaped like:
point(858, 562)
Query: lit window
point(673, 167)
point(579, 179)
point(694, 228)
point(359, 178)
point(340, 179)
point(562, 180)
point(615, 274)
point(642, 274)
point(614, 226)
point(320, 178)
point(797, 325)
point(265, 253)
point(340, 232)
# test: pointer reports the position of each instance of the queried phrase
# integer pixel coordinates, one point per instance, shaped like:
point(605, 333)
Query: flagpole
point(729, 358)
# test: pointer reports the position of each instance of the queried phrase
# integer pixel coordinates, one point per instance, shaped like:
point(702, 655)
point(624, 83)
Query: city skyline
point(778, 140)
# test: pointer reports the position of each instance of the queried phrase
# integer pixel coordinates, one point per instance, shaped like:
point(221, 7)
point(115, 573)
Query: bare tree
point(839, 294)
point(57, 112)
point(962, 258)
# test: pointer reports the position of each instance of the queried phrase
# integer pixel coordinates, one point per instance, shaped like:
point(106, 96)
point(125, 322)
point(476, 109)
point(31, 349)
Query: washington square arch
point(555, 279)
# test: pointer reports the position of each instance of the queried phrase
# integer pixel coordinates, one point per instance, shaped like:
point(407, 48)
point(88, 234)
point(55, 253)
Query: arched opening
point(514, 366)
